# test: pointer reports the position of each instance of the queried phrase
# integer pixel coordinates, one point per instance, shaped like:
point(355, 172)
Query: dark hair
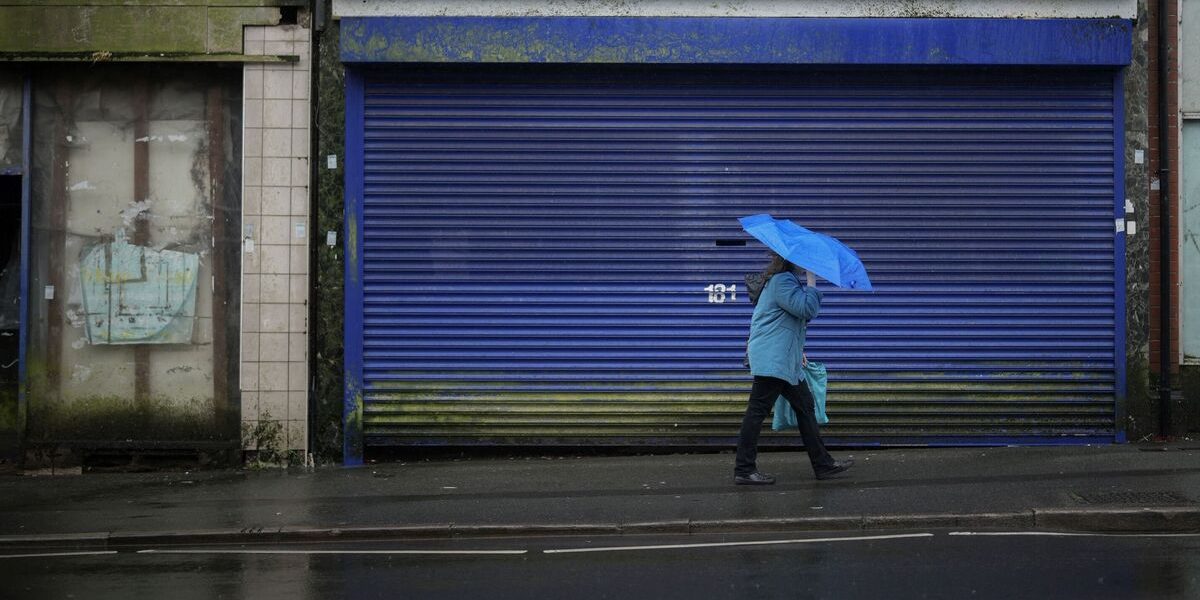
point(777, 265)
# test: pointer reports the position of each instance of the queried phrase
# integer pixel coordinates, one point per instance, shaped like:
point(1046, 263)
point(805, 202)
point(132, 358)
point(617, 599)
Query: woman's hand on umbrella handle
point(812, 279)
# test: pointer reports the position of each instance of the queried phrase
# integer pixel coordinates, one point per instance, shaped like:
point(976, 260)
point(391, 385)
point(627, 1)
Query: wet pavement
point(677, 492)
point(901, 564)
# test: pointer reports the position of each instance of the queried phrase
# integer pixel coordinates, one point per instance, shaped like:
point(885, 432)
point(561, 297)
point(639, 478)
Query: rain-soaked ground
point(893, 565)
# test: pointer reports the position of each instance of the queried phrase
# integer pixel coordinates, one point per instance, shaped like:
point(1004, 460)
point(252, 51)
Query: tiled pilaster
point(275, 234)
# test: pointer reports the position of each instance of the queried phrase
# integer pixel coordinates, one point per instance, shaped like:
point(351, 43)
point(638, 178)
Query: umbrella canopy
point(819, 253)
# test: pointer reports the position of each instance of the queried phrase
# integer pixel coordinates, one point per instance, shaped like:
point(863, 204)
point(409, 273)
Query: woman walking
point(776, 354)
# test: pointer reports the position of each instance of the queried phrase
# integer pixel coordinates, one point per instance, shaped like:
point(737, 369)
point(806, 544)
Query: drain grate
point(1147, 498)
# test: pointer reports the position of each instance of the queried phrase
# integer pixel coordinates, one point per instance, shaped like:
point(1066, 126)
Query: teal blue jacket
point(778, 327)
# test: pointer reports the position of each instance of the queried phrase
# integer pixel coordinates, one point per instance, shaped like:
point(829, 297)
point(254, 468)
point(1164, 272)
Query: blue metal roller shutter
point(537, 248)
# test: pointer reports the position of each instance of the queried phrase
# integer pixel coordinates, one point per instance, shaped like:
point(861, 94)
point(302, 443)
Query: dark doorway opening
point(10, 316)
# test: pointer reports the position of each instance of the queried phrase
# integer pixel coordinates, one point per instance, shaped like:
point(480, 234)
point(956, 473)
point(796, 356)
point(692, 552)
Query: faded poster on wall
point(138, 295)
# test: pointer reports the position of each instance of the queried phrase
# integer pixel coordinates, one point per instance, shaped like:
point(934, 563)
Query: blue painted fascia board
point(26, 246)
point(681, 40)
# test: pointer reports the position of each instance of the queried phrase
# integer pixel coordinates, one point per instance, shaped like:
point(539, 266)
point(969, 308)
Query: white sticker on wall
point(1131, 227)
point(48, 293)
point(1139, 157)
point(1120, 225)
point(300, 231)
point(331, 161)
point(1128, 207)
point(331, 238)
point(249, 245)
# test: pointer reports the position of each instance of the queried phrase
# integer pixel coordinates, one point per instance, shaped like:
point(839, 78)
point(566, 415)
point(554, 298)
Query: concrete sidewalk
point(1091, 488)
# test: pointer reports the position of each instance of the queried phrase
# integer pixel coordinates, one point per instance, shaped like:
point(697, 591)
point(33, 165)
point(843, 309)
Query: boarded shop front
point(132, 280)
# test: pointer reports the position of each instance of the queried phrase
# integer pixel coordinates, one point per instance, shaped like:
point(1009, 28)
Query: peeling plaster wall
point(100, 205)
point(1125, 9)
point(11, 89)
point(128, 164)
point(1189, 105)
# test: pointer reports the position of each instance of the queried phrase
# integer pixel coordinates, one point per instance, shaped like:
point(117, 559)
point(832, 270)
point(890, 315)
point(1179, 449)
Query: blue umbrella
point(821, 254)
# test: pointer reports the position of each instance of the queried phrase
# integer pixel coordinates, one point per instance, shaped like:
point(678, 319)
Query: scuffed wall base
point(1189, 380)
point(1141, 417)
point(1144, 417)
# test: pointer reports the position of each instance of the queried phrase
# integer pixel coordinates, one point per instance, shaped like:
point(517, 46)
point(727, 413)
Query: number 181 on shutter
point(719, 293)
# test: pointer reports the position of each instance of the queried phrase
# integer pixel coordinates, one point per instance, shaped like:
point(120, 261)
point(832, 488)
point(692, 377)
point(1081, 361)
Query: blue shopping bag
point(817, 378)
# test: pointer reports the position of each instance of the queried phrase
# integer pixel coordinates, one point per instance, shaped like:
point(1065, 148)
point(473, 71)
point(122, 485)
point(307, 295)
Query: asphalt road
point(909, 564)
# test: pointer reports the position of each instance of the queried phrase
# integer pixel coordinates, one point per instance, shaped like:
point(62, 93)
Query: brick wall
point(1156, 268)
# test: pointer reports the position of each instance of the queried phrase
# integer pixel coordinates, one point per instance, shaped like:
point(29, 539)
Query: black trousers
point(762, 399)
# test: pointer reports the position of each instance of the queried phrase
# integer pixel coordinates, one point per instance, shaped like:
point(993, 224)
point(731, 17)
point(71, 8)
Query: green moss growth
point(1141, 408)
point(115, 418)
point(265, 440)
point(8, 408)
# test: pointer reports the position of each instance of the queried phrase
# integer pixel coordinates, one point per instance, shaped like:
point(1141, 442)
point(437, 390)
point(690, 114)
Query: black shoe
point(838, 466)
point(754, 478)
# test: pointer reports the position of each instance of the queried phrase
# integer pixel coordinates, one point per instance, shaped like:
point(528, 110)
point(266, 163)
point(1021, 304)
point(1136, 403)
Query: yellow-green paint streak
point(354, 414)
point(352, 265)
point(485, 405)
point(352, 420)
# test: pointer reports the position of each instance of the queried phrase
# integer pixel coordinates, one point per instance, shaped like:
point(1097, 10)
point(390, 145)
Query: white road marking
point(48, 554)
point(466, 552)
point(729, 544)
point(1069, 534)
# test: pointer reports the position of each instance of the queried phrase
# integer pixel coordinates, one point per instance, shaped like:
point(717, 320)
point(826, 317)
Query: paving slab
point(1115, 487)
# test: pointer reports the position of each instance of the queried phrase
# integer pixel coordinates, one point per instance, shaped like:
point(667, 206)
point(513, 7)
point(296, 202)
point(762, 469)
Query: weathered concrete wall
point(132, 26)
point(147, 170)
point(1125, 9)
point(1189, 189)
point(1189, 58)
point(1189, 105)
point(1189, 382)
point(1140, 406)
